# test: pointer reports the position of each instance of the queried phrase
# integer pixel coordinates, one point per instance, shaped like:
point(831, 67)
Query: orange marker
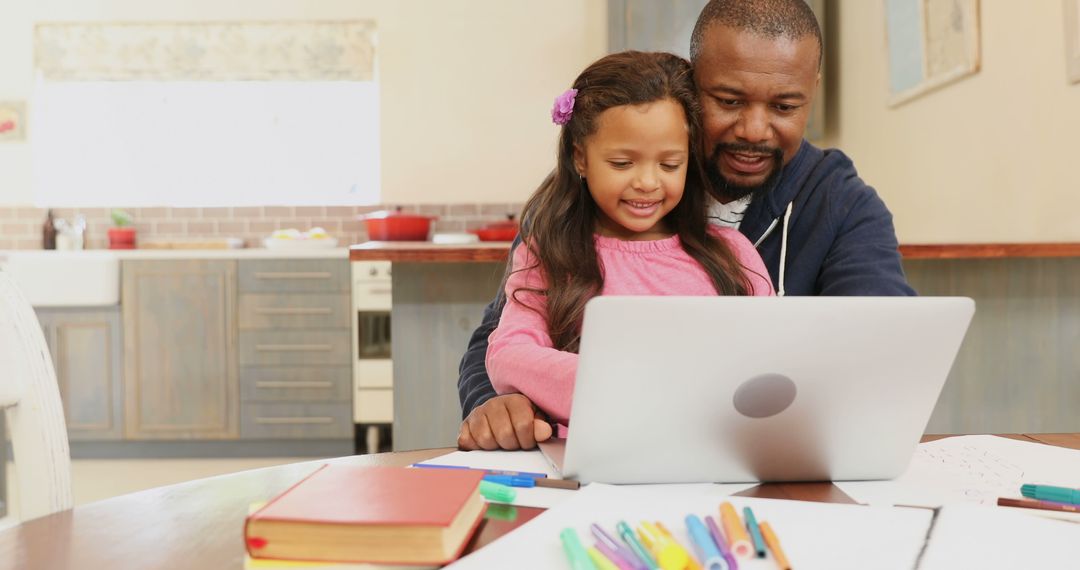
point(774, 545)
point(647, 540)
point(738, 539)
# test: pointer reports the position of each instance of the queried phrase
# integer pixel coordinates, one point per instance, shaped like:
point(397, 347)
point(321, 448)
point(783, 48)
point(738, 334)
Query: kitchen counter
point(423, 251)
point(989, 250)
point(497, 251)
point(155, 254)
point(439, 295)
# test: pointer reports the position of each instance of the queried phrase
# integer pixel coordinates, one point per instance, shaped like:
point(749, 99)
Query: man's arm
point(491, 421)
point(474, 386)
point(864, 258)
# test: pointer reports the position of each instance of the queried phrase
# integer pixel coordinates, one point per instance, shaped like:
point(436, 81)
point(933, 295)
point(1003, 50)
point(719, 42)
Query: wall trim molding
point(206, 51)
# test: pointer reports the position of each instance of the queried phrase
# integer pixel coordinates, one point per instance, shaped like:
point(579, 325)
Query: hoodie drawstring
point(783, 250)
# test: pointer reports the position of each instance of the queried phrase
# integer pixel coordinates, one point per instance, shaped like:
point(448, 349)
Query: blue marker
point(489, 471)
point(755, 532)
point(510, 481)
point(706, 549)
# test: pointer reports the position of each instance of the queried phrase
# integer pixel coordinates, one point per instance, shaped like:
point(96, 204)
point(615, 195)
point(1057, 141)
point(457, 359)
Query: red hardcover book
point(346, 513)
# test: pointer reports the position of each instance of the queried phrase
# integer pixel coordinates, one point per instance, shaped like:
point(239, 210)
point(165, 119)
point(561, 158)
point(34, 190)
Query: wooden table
point(199, 524)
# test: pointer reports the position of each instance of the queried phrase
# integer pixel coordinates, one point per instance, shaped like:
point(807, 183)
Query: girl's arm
point(520, 356)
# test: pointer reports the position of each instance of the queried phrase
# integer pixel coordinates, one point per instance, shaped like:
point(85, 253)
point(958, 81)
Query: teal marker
point(496, 492)
point(571, 544)
point(628, 537)
point(1051, 493)
point(755, 532)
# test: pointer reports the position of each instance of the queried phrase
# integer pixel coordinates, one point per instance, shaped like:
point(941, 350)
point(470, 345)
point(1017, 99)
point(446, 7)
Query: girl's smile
point(642, 208)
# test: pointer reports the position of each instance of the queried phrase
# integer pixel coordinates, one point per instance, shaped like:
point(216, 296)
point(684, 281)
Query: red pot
point(498, 231)
point(396, 225)
point(121, 238)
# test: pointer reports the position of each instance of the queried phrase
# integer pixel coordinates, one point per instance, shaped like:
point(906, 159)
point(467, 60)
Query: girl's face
point(635, 164)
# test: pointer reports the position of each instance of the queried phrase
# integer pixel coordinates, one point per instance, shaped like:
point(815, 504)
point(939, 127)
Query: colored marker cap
point(496, 492)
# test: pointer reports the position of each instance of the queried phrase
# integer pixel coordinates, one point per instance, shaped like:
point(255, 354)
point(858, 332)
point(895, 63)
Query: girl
point(622, 214)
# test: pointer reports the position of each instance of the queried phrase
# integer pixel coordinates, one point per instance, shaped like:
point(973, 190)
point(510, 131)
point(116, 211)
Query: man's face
point(755, 99)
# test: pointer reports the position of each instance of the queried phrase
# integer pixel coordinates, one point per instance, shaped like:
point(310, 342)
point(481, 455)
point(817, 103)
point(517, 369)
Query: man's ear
point(579, 160)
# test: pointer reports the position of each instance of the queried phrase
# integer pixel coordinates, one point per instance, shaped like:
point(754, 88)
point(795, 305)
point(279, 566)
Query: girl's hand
point(507, 422)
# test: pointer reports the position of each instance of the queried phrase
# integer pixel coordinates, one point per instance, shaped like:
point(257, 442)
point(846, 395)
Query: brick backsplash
point(21, 227)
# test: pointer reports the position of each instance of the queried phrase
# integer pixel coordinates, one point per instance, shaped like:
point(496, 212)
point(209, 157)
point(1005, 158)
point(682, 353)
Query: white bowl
point(317, 243)
point(455, 238)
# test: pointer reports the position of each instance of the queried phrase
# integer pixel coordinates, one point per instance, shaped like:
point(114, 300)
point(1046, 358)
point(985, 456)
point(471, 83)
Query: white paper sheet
point(968, 536)
point(813, 535)
point(970, 469)
point(535, 462)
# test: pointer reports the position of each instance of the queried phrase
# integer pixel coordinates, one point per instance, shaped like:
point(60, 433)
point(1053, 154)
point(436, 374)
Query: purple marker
point(613, 556)
point(721, 543)
point(623, 553)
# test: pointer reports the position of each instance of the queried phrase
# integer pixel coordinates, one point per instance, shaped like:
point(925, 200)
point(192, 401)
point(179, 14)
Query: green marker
point(628, 537)
point(755, 532)
point(497, 493)
point(1051, 493)
point(571, 544)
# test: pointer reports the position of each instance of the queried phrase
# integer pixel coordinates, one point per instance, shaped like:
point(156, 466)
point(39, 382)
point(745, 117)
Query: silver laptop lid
point(726, 389)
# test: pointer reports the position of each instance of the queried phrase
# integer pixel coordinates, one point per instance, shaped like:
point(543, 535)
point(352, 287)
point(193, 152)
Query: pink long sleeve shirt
point(521, 357)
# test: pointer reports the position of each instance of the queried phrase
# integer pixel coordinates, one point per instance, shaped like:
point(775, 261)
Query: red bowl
point(496, 234)
point(397, 226)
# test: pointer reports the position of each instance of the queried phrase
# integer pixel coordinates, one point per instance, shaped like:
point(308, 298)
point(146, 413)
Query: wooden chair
point(30, 398)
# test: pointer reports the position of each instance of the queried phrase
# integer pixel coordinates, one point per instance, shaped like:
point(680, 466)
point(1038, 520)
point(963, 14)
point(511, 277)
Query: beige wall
point(991, 158)
point(466, 85)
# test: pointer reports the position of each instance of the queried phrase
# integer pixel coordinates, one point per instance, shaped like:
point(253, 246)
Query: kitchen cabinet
point(294, 350)
point(180, 356)
point(85, 344)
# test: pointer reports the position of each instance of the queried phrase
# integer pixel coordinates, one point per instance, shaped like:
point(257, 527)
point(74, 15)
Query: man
point(819, 228)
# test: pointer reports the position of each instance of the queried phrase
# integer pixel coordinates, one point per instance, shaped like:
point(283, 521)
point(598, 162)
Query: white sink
point(65, 278)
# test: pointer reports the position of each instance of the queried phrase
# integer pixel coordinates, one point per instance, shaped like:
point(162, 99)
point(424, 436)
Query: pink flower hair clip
point(564, 107)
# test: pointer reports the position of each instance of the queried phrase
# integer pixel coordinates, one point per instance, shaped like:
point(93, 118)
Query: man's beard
point(729, 190)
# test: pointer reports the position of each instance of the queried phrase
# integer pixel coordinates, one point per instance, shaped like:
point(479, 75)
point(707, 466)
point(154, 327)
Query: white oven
point(373, 370)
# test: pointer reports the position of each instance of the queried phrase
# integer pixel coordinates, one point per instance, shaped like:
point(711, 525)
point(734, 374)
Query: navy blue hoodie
point(839, 240)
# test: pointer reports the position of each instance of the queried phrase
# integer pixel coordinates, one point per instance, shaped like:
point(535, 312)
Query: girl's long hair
point(559, 220)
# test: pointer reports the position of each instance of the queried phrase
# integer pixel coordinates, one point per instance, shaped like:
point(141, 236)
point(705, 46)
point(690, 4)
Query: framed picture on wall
point(652, 25)
point(1072, 40)
point(931, 43)
point(12, 121)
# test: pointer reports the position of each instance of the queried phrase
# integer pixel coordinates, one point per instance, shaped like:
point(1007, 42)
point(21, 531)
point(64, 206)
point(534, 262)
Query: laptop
point(746, 389)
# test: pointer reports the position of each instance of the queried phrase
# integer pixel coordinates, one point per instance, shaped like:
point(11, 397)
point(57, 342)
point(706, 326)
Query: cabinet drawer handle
point(292, 275)
point(293, 310)
point(294, 347)
point(287, 384)
point(280, 421)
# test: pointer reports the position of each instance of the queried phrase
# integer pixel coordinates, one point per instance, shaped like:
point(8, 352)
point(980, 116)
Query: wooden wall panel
point(1018, 370)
